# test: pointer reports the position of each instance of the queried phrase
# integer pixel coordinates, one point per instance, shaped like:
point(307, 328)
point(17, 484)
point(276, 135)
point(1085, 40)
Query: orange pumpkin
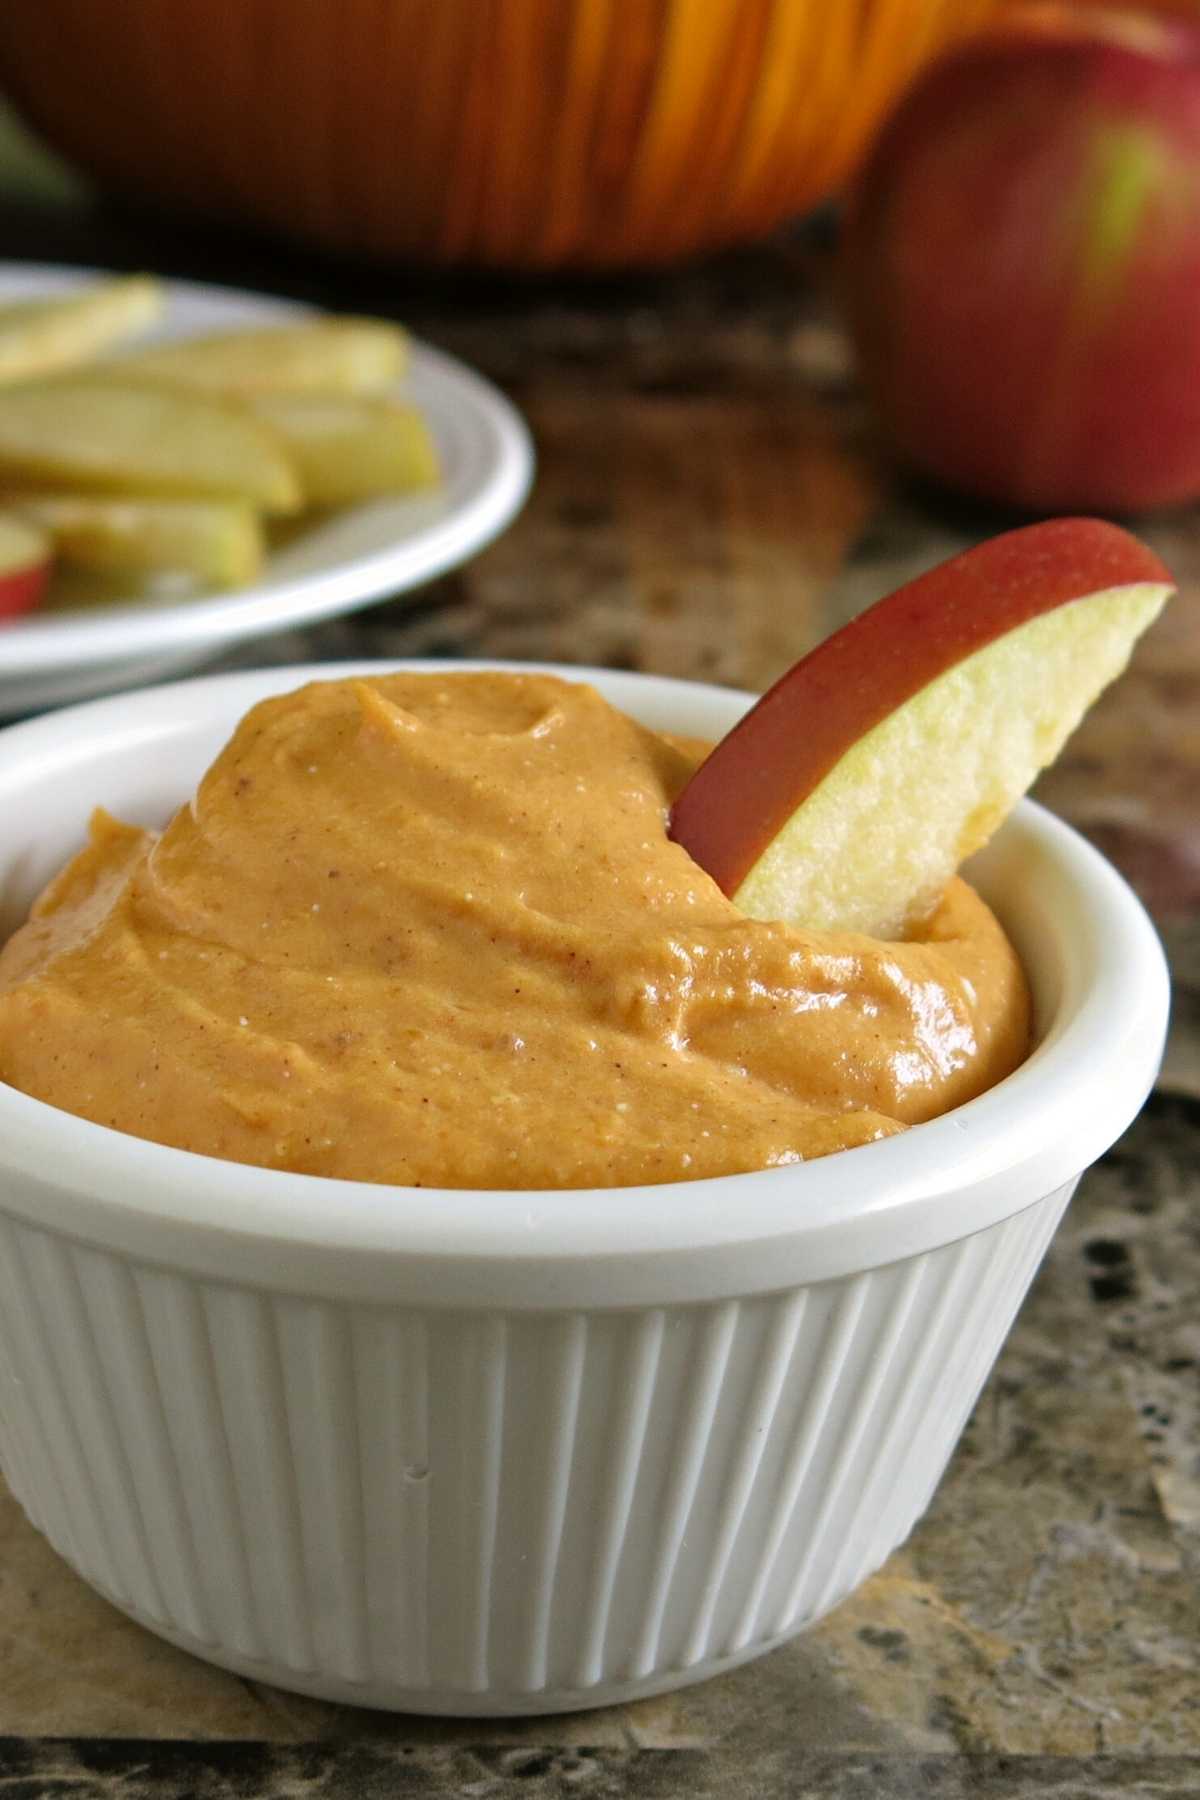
point(516, 133)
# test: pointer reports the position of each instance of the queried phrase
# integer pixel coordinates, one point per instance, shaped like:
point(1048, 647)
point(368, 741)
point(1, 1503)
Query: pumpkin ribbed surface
point(515, 133)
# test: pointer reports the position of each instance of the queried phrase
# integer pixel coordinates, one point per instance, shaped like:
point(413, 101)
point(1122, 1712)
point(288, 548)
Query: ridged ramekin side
point(487, 1511)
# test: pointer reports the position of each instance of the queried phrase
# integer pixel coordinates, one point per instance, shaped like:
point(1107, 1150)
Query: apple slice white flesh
point(850, 794)
point(334, 355)
point(79, 432)
point(346, 448)
point(25, 559)
point(217, 543)
point(40, 337)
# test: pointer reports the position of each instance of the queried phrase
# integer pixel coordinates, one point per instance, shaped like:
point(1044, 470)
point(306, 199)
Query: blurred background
point(797, 299)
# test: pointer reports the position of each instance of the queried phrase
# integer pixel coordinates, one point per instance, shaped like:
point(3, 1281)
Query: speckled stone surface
point(710, 502)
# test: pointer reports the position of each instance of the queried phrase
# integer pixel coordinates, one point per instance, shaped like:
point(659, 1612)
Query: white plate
point(357, 555)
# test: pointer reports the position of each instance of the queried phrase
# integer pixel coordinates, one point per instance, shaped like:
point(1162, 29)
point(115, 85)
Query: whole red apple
point(1023, 260)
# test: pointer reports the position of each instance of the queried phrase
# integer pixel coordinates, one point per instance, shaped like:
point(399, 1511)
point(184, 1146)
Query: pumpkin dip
point(429, 929)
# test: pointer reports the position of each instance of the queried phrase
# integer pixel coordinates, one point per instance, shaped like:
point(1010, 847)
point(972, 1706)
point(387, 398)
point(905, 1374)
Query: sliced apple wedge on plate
point(346, 448)
point(40, 337)
point(850, 794)
point(212, 543)
point(24, 565)
point(331, 355)
point(83, 433)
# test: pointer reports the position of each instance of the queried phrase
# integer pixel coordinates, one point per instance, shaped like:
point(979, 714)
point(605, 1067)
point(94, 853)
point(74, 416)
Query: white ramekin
point(516, 1452)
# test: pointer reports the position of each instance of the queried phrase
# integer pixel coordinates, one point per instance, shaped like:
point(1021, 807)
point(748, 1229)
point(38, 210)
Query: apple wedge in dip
point(850, 794)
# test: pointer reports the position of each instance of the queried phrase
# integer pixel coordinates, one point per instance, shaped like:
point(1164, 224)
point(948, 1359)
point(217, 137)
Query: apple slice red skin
point(21, 589)
point(744, 793)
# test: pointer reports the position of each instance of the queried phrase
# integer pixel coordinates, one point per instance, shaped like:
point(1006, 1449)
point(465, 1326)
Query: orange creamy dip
point(430, 929)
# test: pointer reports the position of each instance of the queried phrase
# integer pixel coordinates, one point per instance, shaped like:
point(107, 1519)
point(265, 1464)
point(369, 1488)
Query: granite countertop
point(710, 502)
